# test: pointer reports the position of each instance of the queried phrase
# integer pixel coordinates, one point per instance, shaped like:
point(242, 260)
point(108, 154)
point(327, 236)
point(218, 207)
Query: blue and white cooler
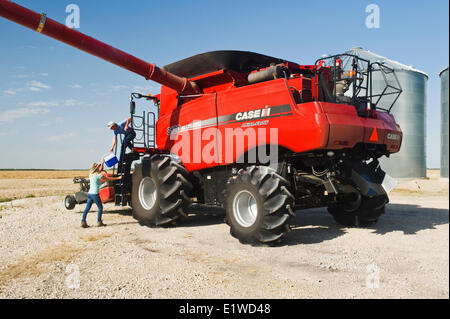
point(111, 160)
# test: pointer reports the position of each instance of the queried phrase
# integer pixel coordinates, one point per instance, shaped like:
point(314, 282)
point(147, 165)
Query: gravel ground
point(43, 250)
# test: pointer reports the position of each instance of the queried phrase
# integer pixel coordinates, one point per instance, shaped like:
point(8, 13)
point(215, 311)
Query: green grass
point(6, 200)
point(30, 196)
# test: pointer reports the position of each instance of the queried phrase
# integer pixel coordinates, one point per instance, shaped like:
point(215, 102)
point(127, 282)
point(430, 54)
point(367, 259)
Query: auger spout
point(40, 23)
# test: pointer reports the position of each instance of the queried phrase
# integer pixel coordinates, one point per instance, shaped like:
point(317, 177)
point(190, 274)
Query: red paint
point(312, 125)
point(223, 97)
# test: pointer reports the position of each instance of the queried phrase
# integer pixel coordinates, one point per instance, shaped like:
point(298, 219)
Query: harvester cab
point(219, 113)
point(347, 79)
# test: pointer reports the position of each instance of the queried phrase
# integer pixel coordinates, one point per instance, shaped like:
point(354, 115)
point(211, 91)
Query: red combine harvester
point(258, 135)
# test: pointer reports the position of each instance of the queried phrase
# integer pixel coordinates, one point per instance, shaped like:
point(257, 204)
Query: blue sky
point(55, 101)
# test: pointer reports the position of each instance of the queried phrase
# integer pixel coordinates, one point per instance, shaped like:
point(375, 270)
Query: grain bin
point(409, 111)
point(444, 122)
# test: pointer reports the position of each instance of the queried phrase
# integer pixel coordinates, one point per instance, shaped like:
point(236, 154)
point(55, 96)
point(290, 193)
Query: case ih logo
point(255, 114)
point(394, 137)
point(264, 113)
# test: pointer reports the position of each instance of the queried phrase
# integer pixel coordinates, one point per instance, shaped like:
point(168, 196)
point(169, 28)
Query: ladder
point(144, 126)
point(122, 188)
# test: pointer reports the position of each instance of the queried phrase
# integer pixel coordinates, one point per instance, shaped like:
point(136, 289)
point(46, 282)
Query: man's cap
point(111, 124)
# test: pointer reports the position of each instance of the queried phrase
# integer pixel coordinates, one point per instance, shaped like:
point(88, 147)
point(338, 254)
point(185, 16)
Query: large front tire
point(258, 205)
point(160, 191)
point(364, 214)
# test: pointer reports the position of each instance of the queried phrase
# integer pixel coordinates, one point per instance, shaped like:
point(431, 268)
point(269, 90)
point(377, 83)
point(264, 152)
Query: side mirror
point(132, 107)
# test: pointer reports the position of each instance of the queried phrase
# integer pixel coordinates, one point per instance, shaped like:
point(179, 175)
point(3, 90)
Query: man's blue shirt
point(121, 129)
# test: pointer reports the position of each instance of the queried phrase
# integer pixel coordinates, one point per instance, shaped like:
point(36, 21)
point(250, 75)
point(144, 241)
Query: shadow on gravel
point(123, 212)
point(313, 226)
point(113, 224)
point(408, 219)
point(199, 215)
point(119, 211)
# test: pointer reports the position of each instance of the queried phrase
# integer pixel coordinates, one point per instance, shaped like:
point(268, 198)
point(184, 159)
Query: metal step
point(121, 199)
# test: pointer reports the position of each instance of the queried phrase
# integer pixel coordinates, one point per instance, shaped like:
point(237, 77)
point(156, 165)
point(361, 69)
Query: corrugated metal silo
point(409, 112)
point(444, 122)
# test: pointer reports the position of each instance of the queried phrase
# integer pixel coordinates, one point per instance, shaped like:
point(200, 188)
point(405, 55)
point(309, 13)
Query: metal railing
point(145, 129)
point(361, 89)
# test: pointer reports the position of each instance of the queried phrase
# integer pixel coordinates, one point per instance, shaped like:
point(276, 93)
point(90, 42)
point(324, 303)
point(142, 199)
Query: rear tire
point(364, 215)
point(70, 202)
point(160, 191)
point(258, 205)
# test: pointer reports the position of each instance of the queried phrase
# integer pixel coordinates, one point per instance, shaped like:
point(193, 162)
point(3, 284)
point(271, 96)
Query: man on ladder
point(125, 129)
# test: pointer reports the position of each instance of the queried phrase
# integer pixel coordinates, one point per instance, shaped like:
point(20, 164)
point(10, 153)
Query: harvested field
point(21, 188)
point(41, 174)
point(17, 184)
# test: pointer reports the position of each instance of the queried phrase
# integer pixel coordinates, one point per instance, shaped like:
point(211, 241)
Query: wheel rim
point(68, 202)
point(147, 193)
point(245, 209)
